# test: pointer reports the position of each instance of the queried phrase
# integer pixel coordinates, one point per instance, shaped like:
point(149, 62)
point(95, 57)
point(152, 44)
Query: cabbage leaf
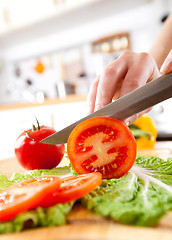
point(39, 217)
point(141, 197)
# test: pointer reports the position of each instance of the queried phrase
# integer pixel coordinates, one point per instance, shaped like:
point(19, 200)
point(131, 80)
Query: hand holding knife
point(132, 103)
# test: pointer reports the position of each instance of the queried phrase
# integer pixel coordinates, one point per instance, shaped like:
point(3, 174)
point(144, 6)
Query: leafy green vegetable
point(137, 132)
point(40, 217)
point(18, 177)
point(140, 197)
point(55, 215)
point(72, 170)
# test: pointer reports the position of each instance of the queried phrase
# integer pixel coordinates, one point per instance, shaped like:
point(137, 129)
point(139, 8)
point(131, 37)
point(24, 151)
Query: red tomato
point(25, 195)
point(35, 155)
point(104, 145)
point(73, 188)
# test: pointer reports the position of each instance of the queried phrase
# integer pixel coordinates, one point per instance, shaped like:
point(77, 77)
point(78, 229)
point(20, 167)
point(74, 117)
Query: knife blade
point(132, 103)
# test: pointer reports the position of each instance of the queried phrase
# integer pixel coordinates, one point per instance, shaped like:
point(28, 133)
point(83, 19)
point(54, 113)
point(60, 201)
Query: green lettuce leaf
point(141, 197)
point(18, 177)
point(40, 217)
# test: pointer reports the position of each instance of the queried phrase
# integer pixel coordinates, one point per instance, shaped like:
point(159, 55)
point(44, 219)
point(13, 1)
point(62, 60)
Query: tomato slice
point(73, 188)
point(26, 195)
point(104, 145)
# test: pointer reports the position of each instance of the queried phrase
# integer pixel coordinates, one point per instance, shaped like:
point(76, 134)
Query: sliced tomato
point(25, 195)
point(104, 145)
point(73, 188)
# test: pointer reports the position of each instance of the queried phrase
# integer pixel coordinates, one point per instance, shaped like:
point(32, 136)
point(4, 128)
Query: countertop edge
point(68, 99)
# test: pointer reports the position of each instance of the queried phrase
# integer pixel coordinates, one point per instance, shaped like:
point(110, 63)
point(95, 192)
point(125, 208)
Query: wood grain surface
point(85, 225)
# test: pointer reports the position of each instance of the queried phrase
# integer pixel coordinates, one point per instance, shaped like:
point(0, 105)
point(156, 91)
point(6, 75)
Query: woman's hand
point(123, 75)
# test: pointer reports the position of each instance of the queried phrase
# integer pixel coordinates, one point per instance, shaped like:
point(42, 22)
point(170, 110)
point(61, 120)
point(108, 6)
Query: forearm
point(163, 43)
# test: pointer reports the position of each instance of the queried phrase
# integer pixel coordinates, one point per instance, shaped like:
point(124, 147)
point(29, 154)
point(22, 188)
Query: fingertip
point(91, 97)
point(166, 67)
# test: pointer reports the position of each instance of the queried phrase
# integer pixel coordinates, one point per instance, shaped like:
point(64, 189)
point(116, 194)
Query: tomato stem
point(27, 134)
point(38, 123)
point(33, 128)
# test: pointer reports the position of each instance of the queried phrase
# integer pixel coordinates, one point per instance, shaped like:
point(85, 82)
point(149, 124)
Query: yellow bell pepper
point(146, 124)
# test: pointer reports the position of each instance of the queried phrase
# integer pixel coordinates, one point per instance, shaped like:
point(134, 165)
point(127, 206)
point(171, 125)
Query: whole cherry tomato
point(32, 154)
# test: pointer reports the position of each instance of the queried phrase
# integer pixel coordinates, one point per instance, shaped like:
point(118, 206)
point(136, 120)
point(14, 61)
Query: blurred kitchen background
point(52, 49)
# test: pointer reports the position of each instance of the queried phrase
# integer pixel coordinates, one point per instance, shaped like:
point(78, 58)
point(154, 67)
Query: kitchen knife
point(134, 102)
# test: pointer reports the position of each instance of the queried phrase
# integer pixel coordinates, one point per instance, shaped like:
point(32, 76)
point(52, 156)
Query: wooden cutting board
point(85, 225)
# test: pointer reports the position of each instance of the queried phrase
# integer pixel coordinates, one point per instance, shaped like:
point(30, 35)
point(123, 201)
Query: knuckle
point(109, 71)
point(128, 56)
point(127, 52)
point(145, 57)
